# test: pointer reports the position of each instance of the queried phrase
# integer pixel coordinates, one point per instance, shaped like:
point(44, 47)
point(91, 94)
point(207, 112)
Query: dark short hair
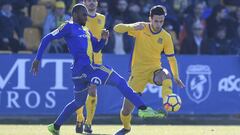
point(158, 10)
point(77, 8)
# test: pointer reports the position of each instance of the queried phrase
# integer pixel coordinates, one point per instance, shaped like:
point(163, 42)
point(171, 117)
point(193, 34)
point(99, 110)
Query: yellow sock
point(126, 120)
point(91, 107)
point(166, 87)
point(80, 117)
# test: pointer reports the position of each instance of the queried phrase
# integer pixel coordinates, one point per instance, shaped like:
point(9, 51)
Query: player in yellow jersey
point(95, 23)
point(151, 40)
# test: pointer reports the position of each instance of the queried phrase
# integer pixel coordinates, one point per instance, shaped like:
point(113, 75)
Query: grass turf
point(136, 130)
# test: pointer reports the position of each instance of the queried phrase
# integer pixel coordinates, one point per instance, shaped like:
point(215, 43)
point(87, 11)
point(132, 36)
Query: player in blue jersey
point(84, 73)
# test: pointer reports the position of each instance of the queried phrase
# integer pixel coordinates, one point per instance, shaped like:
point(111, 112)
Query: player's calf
point(127, 107)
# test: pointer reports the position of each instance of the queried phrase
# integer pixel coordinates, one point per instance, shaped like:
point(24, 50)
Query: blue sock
point(119, 82)
point(70, 108)
point(66, 113)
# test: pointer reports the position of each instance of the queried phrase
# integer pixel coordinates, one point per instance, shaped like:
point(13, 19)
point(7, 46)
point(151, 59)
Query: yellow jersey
point(149, 46)
point(95, 24)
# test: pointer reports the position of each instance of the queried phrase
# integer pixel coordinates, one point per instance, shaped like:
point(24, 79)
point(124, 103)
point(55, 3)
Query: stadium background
point(206, 35)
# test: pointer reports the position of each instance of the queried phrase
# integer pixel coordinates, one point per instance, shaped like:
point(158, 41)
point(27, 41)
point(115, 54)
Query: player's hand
point(179, 82)
point(105, 34)
point(34, 68)
point(139, 26)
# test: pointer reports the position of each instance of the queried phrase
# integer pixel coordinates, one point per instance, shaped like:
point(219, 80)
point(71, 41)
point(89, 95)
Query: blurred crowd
point(197, 26)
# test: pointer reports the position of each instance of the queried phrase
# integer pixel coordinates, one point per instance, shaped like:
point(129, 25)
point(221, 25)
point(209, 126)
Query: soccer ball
point(172, 103)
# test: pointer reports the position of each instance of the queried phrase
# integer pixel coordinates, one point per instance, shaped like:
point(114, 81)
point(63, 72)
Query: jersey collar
point(153, 31)
point(92, 16)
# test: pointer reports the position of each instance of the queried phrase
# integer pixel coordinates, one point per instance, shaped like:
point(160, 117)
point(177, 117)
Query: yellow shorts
point(138, 80)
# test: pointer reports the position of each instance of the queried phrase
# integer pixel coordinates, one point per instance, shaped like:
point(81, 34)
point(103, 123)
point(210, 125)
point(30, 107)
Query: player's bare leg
point(91, 107)
point(162, 78)
point(80, 120)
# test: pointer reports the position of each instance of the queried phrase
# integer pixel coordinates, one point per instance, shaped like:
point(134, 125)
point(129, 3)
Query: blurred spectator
point(145, 6)
point(9, 25)
point(180, 6)
point(119, 43)
point(196, 43)
point(54, 20)
point(231, 2)
point(219, 17)
point(237, 19)
point(134, 13)
point(119, 10)
point(103, 9)
point(23, 19)
point(235, 45)
point(194, 15)
point(220, 44)
point(169, 28)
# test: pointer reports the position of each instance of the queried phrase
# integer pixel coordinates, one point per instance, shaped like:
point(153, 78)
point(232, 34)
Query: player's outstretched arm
point(174, 68)
point(56, 34)
point(169, 52)
point(122, 28)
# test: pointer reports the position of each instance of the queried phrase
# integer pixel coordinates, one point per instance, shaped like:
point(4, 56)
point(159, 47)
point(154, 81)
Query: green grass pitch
point(136, 130)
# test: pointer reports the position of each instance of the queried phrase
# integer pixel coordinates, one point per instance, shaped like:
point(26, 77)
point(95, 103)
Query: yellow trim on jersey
point(89, 48)
point(96, 24)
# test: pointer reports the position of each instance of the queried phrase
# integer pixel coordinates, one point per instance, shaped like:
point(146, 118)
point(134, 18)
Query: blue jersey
point(78, 39)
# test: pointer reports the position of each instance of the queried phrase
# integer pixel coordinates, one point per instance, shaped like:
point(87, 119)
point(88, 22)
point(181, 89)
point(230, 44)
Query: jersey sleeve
point(129, 28)
point(169, 52)
point(60, 32)
point(96, 45)
point(104, 21)
point(133, 32)
point(168, 47)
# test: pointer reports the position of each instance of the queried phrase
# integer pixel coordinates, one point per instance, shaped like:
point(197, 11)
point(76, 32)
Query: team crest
point(198, 82)
point(96, 80)
point(99, 21)
point(160, 40)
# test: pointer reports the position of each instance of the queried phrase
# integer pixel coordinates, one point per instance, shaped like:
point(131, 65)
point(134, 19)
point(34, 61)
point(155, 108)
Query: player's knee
point(92, 91)
point(126, 110)
point(166, 75)
point(161, 75)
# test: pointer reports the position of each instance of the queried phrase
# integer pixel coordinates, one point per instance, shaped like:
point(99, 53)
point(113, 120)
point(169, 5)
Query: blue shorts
point(90, 74)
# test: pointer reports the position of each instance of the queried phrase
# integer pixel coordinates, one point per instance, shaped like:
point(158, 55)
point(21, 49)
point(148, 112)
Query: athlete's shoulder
point(64, 26)
point(145, 24)
point(99, 15)
point(165, 33)
point(68, 24)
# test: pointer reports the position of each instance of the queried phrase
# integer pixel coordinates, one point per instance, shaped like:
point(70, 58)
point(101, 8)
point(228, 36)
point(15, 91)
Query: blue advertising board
point(212, 85)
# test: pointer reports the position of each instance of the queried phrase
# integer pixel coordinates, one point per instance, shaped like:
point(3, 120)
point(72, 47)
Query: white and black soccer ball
point(172, 103)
